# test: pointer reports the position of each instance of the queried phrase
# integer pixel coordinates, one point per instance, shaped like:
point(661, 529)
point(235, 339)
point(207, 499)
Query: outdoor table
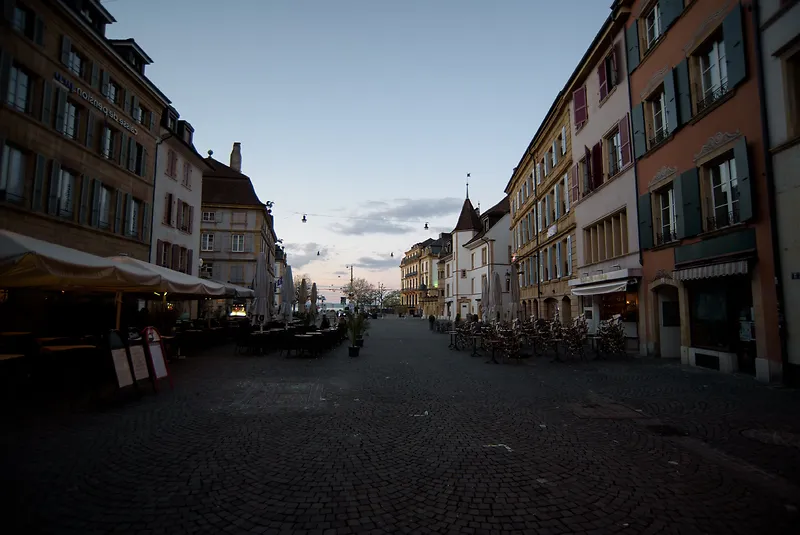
point(56, 349)
point(11, 356)
point(475, 338)
point(304, 338)
point(453, 339)
point(50, 339)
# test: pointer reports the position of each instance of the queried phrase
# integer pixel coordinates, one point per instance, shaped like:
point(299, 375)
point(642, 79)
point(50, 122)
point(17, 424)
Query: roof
point(223, 185)
point(468, 220)
point(493, 215)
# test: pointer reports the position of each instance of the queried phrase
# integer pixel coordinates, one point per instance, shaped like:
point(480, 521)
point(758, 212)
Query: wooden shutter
point(66, 48)
point(128, 215)
point(176, 257)
point(569, 254)
point(735, 54)
point(61, 106)
point(52, 197)
point(83, 209)
point(126, 101)
point(671, 102)
point(122, 154)
point(587, 153)
point(104, 81)
point(38, 182)
point(579, 105)
point(143, 170)
point(632, 45)
point(566, 192)
point(5, 74)
point(191, 218)
point(159, 252)
point(38, 31)
point(563, 140)
point(131, 154)
point(91, 126)
point(639, 132)
point(167, 208)
point(145, 226)
point(683, 92)
point(96, 192)
point(688, 208)
point(625, 140)
point(557, 199)
point(745, 190)
point(96, 77)
point(670, 11)
point(645, 222)
point(190, 262)
point(134, 105)
point(152, 120)
point(597, 165)
point(601, 75)
point(538, 173)
point(575, 183)
point(47, 102)
point(118, 213)
point(614, 71)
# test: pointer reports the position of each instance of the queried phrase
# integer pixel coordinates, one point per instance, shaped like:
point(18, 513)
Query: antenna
point(467, 185)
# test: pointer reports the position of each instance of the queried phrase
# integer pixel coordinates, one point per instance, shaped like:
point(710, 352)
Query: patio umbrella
point(497, 296)
point(313, 308)
point(484, 298)
point(515, 292)
point(259, 309)
point(287, 294)
point(303, 296)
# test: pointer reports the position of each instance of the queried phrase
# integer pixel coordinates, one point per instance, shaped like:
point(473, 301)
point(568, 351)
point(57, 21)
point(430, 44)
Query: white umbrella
point(484, 298)
point(259, 309)
point(303, 296)
point(515, 292)
point(313, 308)
point(287, 294)
point(497, 297)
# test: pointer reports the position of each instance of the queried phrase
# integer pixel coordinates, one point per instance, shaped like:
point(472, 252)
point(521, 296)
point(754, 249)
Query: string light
point(395, 219)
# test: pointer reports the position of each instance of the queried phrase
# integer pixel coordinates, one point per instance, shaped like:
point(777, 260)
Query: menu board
point(139, 363)
point(157, 357)
point(121, 366)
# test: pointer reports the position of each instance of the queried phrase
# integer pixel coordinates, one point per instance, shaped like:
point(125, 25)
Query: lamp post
point(351, 293)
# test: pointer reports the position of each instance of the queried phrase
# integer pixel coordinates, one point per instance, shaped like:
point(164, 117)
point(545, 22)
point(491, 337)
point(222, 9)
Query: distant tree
point(391, 299)
point(363, 292)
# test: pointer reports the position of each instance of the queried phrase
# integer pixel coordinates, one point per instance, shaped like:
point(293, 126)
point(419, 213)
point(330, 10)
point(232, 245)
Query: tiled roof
point(468, 220)
point(223, 185)
point(493, 215)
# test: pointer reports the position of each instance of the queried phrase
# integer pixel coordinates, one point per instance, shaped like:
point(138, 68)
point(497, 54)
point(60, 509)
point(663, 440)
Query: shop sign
point(551, 231)
point(111, 114)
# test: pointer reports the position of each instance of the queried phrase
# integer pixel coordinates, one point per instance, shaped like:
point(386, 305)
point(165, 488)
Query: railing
point(726, 219)
point(660, 137)
point(410, 274)
point(667, 237)
point(613, 167)
point(711, 96)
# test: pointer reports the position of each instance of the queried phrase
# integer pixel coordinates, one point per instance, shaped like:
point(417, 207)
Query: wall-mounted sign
point(551, 231)
point(111, 114)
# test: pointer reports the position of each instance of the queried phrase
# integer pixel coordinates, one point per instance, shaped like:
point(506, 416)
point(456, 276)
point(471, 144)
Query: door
point(669, 322)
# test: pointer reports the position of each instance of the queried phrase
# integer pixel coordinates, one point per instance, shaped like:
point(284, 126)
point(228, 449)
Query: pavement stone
point(411, 437)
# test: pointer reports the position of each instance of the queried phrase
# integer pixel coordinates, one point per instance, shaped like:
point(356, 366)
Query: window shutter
point(96, 76)
point(639, 132)
point(38, 31)
point(632, 44)
point(575, 183)
point(91, 126)
point(175, 257)
point(587, 153)
point(569, 255)
point(683, 92)
point(127, 101)
point(601, 75)
point(566, 192)
point(547, 210)
point(144, 163)
point(167, 209)
point(688, 209)
point(670, 11)
point(745, 190)
point(96, 190)
point(191, 218)
point(539, 217)
point(83, 209)
point(615, 74)
point(66, 48)
point(134, 103)
point(47, 102)
point(625, 140)
point(555, 152)
point(557, 198)
point(52, 198)
point(563, 140)
point(123, 148)
point(159, 252)
point(190, 262)
point(671, 102)
point(152, 120)
point(5, 74)
point(61, 105)
point(541, 266)
point(558, 259)
point(597, 165)
point(174, 213)
point(579, 105)
point(645, 222)
point(538, 173)
point(128, 215)
point(549, 263)
point(131, 154)
point(735, 56)
point(104, 81)
point(145, 222)
point(118, 213)
point(38, 182)
point(179, 214)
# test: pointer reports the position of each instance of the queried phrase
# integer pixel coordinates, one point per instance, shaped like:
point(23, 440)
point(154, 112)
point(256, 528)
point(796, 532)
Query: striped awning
point(740, 267)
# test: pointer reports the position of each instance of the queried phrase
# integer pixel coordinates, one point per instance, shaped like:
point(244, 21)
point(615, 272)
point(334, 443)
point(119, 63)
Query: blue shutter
point(670, 11)
point(671, 102)
point(735, 56)
point(683, 92)
point(632, 44)
point(645, 222)
point(52, 197)
point(688, 206)
point(145, 222)
point(96, 76)
point(47, 103)
point(66, 48)
point(639, 132)
point(5, 74)
point(95, 217)
point(83, 209)
point(118, 213)
point(38, 182)
point(745, 190)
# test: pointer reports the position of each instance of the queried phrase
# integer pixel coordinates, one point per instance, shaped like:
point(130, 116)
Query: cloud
point(377, 264)
point(301, 254)
point(439, 230)
point(388, 217)
point(341, 272)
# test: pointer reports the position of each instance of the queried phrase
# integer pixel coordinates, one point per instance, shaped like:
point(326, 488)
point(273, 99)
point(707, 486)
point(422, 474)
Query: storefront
point(605, 295)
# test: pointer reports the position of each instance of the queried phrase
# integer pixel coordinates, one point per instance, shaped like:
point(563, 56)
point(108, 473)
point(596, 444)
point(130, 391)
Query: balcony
point(722, 219)
point(658, 138)
point(666, 237)
point(711, 96)
point(411, 274)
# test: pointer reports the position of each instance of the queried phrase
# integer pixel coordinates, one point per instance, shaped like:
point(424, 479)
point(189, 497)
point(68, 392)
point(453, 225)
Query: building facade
point(608, 270)
point(235, 225)
point(79, 122)
point(409, 279)
point(779, 23)
point(542, 219)
point(280, 274)
point(178, 197)
point(703, 212)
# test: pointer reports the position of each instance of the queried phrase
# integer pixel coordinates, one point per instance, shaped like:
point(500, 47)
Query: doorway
point(669, 322)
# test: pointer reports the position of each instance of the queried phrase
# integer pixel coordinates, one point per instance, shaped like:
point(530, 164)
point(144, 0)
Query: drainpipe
point(770, 178)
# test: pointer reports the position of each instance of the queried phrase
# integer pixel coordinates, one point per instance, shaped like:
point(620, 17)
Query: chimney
point(478, 209)
point(236, 157)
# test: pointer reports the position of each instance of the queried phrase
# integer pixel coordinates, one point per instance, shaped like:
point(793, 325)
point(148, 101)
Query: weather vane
point(467, 185)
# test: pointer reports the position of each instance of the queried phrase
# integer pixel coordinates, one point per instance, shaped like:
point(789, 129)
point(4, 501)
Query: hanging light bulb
point(426, 225)
point(305, 219)
point(317, 253)
point(391, 254)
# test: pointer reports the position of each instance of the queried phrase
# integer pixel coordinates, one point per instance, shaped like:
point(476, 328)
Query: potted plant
point(354, 330)
point(363, 325)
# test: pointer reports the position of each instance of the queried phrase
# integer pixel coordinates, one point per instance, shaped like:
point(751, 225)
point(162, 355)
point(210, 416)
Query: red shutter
point(601, 74)
point(625, 139)
point(615, 70)
point(587, 153)
point(189, 256)
point(579, 105)
point(159, 251)
point(575, 179)
point(176, 257)
point(597, 165)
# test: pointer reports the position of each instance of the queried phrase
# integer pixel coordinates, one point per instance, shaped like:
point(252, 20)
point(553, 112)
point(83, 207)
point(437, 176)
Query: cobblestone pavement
point(414, 438)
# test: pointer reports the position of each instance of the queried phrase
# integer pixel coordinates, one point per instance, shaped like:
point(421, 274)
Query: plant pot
point(359, 342)
point(353, 351)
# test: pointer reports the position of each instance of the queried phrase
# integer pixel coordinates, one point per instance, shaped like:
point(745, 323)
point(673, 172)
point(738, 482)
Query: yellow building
point(419, 277)
point(542, 192)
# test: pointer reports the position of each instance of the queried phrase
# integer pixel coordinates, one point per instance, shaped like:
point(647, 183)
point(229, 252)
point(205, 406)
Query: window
point(657, 118)
point(185, 214)
point(568, 256)
point(187, 175)
point(666, 224)
point(104, 207)
point(652, 24)
point(138, 113)
point(140, 162)
point(63, 193)
point(448, 271)
point(614, 153)
point(18, 89)
point(12, 174)
point(132, 217)
point(606, 239)
point(172, 164)
point(472, 286)
point(237, 243)
point(207, 270)
point(713, 73)
point(463, 273)
point(107, 141)
point(209, 217)
point(607, 74)
point(166, 248)
point(554, 152)
point(168, 215)
point(22, 20)
point(113, 92)
point(473, 260)
point(76, 63)
point(723, 205)
point(70, 120)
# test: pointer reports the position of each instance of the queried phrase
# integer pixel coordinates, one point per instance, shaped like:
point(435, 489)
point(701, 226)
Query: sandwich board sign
point(156, 355)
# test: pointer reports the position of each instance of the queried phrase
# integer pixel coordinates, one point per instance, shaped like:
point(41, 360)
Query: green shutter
point(38, 182)
point(632, 44)
point(47, 102)
point(91, 126)
point(639, 133)
point(38, 31)
point(128, 213)
point(670, 11)
point(52, 197)
point(104, 81)
point(144, 164)
point(645, 222)
point(683, 92)
point(123, 147)
point(671, 102)
point(61, 105)
point(83, 209)
point(127, 102)
point(95, 217)
point(152, 120)
point(688, 204)
point(66, 48)
point(5, 74)
point(131, 154)
point(734, 47)
point(745, 190)
point(146, 222)
point(118, 213)
point(95, 75)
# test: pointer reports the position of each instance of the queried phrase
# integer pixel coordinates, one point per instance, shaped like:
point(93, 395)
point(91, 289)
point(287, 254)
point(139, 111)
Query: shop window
point(207, 270)
point(715, 312)
point(670, 314)
point(625, 303)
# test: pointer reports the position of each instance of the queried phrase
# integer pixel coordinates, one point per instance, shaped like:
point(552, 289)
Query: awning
point(601, 288)
point(740, 267)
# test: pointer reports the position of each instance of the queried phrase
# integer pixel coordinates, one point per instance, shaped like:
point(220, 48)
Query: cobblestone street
point(412, 437)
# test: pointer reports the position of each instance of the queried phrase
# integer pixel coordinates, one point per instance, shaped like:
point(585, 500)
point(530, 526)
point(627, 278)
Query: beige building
point(419, 277)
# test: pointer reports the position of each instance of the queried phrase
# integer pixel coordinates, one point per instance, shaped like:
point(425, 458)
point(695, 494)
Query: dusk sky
point(365, 115)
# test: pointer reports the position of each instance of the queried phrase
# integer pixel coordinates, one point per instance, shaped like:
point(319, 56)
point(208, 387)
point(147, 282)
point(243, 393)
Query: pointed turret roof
point(468, 220)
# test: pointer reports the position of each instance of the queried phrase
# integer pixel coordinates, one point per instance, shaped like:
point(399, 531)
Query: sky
point(366, 115)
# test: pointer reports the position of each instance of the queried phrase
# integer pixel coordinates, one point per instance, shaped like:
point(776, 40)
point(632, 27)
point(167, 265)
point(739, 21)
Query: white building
point(480, 247)
point(177, 197)
point(780, 64)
